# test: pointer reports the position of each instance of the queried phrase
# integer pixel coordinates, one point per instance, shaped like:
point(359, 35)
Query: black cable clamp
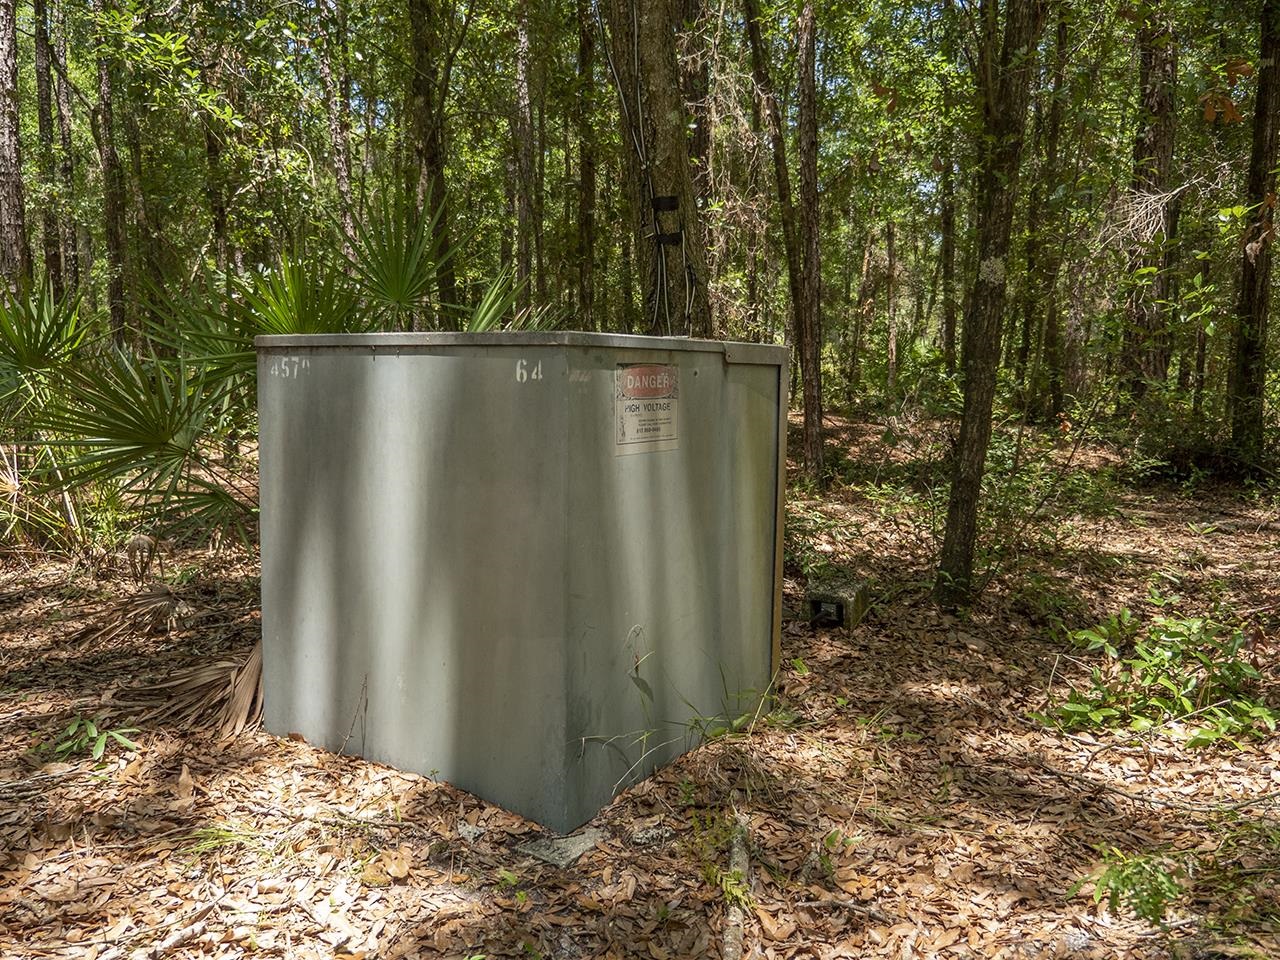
point(670, 239)
point(665, 204)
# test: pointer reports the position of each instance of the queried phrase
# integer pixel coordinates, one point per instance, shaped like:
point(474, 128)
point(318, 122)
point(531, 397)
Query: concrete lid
point(733, 351)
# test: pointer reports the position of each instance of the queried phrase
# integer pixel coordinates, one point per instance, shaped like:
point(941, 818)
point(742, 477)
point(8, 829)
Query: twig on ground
point(731, 949)
point(183, 934)
point(870, 912)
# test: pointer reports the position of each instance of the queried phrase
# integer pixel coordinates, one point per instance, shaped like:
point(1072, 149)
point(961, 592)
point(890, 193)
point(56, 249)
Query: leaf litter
point(899, 803)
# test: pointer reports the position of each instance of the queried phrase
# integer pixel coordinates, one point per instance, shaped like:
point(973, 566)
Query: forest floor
point(901, 802)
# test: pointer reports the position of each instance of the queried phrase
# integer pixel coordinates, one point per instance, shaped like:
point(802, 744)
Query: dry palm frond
point(154, 609)
point(225, 693)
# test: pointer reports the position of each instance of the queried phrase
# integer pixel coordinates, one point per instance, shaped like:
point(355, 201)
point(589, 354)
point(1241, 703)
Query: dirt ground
point(899, 802)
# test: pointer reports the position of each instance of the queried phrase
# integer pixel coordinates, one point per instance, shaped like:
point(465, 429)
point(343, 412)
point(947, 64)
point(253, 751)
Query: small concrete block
point(562, 851)
point(838, 600)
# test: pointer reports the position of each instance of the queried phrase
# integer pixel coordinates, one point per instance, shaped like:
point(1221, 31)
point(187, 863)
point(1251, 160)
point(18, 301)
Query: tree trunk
point(1003, 83)
point(522, 147)
point(112, 184)
point(695, 84)
point(642, 56)
point(777, 145)
point(804, 319)
point(215, 193)
point(50, 236)
point(757, 234)
point(66, 165)
point(539, 201)
point(1031, 296)
point(147, 232)
point(891, 318)
point(1045, 281)
point(585, 246)
point(695, 81)
point(428, 85)
point(337, 111)
point(864, 307)
point(15, 252)
point(948, 217)
point(1247, 378)
point(1145, 354)
point(809, 312)
point(626, 313)
point(1202, 346)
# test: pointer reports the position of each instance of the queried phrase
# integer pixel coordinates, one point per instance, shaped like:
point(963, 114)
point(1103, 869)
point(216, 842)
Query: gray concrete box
point(530, 564)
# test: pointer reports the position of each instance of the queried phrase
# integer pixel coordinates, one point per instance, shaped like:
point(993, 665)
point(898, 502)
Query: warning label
point(646, 407)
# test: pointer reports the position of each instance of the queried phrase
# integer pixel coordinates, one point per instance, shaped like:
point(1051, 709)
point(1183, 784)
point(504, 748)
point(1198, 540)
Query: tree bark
point(215, 186)
point(586, 235)
point(947, 201)
point(1031, 296)
point(147, 231)
point(522, 147)
point(1003, 83)
point(1247, 379)
point(777, 145)
point(66, 162)
point(695, 82)
point(863, 308)
point(428, 86)
point(1046, 279)
point(804, 321)
point(15, 251)
point(667, 222)
point(809, 312)
point(50, 235)
point(112, 183)
point(539, 200)
point(337, 111)
point(626, 311)
point(891, 318)
point(1145, 354)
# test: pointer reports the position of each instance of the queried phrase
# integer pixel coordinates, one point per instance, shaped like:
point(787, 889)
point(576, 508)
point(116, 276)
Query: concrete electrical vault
point(528, 564)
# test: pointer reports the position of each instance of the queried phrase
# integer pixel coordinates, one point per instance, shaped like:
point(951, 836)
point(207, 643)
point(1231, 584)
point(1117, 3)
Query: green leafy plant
point(304, 296)
point(39, 338)
point(732, 886)
point(84, 736)
point(1144, 883)
point(1179, 670)
point(394, 262)
point(507, 879)
point(709, 844)
point(835, 843)
point(1113, 633)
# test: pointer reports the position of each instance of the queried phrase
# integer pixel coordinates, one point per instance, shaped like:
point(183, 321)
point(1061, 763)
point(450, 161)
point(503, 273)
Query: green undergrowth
point(1193, 677)
point(1229, 880)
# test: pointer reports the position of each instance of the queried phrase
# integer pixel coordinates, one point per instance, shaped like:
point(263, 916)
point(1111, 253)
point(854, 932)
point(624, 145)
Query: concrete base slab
point(563, 851)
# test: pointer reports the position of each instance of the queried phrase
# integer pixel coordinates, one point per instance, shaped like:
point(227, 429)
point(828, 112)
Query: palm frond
point(394, 262)
point(495, 306)
point(303, 297)
point(154, 609)
point(208, 326)
point(204, 505)
point(39, 336)
point(136, 421)
point(224, 693)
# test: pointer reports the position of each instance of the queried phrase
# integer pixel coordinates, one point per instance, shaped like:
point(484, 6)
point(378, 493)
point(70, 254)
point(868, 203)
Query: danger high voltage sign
point(646, 407)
